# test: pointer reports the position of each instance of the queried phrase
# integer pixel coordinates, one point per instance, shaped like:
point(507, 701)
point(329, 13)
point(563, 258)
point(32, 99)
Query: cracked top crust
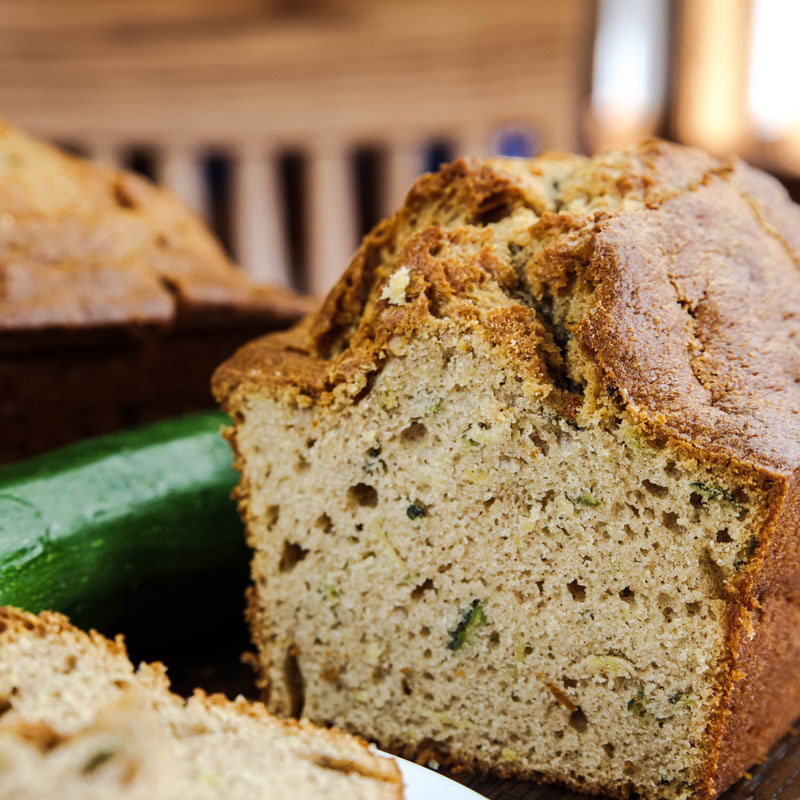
point(657, 278)
point(83, 246)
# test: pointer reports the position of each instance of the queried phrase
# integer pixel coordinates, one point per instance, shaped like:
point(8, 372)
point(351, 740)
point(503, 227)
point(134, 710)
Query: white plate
point(422, 783)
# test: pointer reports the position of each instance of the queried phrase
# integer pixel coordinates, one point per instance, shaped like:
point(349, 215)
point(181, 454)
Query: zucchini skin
point(107, 529)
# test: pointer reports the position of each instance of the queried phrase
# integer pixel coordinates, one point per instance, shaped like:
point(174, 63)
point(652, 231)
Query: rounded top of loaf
point(657, 279)
point(87, 246)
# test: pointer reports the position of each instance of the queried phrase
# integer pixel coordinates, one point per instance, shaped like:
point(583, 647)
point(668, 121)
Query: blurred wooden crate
point(735, 81)
point(251, 81)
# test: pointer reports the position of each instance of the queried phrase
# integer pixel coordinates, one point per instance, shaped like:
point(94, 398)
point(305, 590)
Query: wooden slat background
point(251, 79)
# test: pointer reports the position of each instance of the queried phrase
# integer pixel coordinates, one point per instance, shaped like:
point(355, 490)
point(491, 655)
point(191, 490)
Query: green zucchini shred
point(374, 463)
point(713, 494)
point(329, 592)
point(587, 499)
point(472, 619)
point(682, 698)
point(100, 757)
point(746, 553)
point(636, 704)
point(416, 511)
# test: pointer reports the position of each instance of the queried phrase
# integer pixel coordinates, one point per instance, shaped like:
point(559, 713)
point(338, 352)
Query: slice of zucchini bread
point(78, 722)
point(116, 302)
point(523, 493)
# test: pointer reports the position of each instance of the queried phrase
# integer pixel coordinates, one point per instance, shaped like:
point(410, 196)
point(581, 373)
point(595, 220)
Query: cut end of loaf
point(447, 570)
point(514, 489)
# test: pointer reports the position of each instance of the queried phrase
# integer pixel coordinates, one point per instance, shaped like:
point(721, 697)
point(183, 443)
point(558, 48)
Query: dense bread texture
point(523, 493)
point(116, 303)
point(78, 721)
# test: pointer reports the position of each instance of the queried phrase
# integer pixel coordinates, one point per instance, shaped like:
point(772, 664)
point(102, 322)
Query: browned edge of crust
point(15, 622)
point(329, 347)
point(385, 770)
point(762, 697)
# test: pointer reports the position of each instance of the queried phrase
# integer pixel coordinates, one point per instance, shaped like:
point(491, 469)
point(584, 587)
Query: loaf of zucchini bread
point(524, 493)
point(116, 303)
point(79, 722)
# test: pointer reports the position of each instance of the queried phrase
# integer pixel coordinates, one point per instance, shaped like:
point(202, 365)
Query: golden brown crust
point(354, 755)
point(762, 695)
point(111, 289)
point(693, 296)
point(765, 701)
point(15, 623)
point(340, 339)
point(690, 325)
point(442, 284)
point(85, 246)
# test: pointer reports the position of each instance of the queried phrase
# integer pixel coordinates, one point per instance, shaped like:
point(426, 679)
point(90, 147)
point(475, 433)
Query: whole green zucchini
point(135, 526)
